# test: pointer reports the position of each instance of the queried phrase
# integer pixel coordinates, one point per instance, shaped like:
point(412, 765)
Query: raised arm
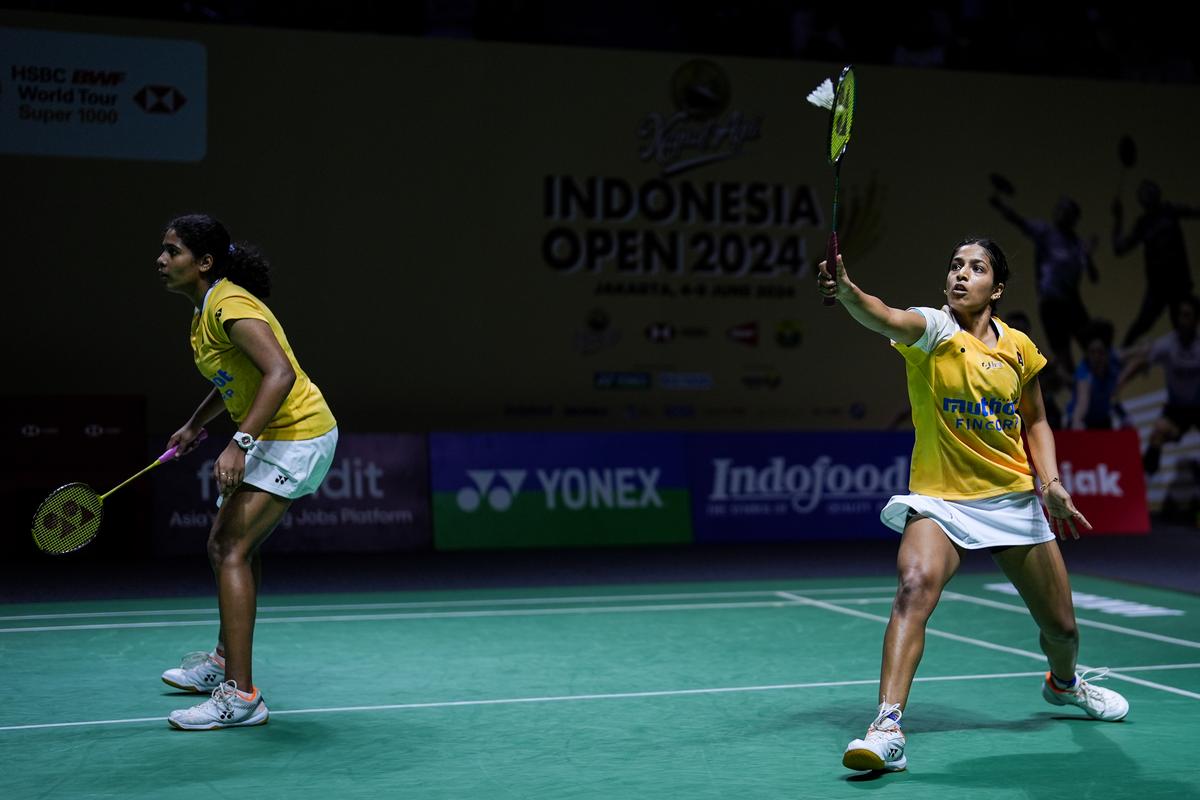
point(1122, 243)
point(1009, 213)
point(899, 325)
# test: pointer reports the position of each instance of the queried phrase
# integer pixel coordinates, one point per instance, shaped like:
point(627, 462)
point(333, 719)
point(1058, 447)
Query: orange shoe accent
point(248, 697)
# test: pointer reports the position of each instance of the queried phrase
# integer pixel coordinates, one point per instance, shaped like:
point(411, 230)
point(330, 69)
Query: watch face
point(244, 440)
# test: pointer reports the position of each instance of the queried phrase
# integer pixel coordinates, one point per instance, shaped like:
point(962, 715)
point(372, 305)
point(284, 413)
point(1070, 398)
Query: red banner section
point(1103, 472)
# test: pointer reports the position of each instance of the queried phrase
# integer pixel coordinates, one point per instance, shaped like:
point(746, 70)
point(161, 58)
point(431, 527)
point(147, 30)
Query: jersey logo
point(218, 314)
point(1020, 358)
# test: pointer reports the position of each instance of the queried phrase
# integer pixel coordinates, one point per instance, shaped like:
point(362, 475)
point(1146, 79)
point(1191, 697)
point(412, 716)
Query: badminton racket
point(70, 517)
point(839, 100)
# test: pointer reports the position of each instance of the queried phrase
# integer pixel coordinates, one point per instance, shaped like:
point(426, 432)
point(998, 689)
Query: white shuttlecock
point(822, 96)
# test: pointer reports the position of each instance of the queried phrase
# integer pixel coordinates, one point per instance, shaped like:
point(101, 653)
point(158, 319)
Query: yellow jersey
point(304, 413)
point(966, 400)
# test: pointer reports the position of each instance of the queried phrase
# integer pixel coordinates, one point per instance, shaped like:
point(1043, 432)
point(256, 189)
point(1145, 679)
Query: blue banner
point(793, 486)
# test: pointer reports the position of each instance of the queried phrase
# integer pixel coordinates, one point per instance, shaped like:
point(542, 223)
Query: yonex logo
point(568, 489)
point(499, 497)
point(281, 479)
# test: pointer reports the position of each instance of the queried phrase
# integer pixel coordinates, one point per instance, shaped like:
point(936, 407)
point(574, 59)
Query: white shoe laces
point(1086, 678)
point(884, 717)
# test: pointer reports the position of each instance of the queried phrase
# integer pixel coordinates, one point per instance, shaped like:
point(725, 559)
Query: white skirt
point(1008, 519)
point(289, 468)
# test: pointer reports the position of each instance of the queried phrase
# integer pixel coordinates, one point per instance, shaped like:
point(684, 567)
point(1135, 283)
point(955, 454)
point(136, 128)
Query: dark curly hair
point(240, 262)
point(1000, 271)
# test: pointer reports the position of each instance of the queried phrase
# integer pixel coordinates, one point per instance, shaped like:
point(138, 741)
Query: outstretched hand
point(1064, 516)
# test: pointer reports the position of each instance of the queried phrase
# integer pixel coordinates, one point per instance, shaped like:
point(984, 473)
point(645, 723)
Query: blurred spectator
point(1168, 275)
point(1094, 393)
point(1178, 353)
point(1060, 258)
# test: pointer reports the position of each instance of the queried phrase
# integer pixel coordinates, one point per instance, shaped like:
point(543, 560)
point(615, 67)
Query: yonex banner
point(375, 498)
point(1103, 472)
point(74, 94)
point(563, 489)
point(784, 486)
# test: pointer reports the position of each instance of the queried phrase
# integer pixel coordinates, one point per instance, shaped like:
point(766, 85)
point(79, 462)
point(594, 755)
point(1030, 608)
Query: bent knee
point(1061, 631)
point(918, 591)
point(223, 550)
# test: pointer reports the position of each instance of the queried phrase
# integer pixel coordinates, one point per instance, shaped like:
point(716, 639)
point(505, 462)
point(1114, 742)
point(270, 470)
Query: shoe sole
point(213, 726)
point(867, 760)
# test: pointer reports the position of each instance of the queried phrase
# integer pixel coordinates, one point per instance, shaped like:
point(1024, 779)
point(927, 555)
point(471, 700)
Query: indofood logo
point(802, 487)
point(702, 129)
point(569, 488)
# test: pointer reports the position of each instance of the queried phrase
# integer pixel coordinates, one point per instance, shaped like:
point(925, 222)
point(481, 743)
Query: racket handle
point(167, 456)
point(831, 254)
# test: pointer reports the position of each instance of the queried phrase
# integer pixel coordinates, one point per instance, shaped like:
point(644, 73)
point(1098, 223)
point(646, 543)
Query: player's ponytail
point(240, 262)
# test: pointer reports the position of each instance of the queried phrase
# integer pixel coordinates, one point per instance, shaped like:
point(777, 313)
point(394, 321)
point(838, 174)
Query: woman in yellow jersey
point(283, 447)
point(973, 386)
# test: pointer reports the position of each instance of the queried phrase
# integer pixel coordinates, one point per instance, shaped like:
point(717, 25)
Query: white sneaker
point(225, 709)
point(883, 746)
point(199, 672)
point(1100, 703)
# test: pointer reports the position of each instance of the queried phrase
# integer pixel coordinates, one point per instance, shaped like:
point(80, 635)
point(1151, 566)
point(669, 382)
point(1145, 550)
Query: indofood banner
point(753, 487)
point(552, 238)
point(558, 489)
point(375, 498)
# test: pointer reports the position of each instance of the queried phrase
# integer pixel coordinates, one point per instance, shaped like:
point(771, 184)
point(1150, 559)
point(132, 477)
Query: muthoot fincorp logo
point(804, 486)
point(566, 488)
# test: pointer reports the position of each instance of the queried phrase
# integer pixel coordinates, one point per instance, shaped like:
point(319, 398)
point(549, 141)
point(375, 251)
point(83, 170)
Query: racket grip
point(831, 254)
point(167, 456)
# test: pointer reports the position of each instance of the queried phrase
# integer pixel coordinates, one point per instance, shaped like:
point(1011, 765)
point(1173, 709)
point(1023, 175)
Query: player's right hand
point(826, 285)
point(186, 439)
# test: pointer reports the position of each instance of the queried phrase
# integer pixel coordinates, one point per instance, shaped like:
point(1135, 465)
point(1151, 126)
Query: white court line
point(500, 601)
point(1158, 637)
point(516, 612)
point(985, 644)
point(579, 697)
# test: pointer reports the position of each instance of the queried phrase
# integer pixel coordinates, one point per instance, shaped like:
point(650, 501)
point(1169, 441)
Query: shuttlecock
point(822, 96)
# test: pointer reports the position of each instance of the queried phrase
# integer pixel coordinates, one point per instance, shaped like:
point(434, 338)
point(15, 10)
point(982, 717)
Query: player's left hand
point(1064, 516)
point(229, 469)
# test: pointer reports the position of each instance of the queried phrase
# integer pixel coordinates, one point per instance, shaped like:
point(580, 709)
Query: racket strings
point(67, 519)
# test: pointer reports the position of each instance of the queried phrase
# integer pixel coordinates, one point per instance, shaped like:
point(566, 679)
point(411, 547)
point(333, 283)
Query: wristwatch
point(244, 441)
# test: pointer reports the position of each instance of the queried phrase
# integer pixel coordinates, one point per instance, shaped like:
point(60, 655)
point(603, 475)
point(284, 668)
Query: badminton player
point(283, 447)
point(972, 383)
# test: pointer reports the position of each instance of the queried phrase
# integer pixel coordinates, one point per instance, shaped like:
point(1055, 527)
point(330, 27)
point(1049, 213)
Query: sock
point(1061, 684)
point(218, 656)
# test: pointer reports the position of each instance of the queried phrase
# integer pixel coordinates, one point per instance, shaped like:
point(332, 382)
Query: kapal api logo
point(702, 129)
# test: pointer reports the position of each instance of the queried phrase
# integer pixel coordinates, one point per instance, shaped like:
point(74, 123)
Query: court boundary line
point(988, 645)
point(597, 696)
point(501, 601)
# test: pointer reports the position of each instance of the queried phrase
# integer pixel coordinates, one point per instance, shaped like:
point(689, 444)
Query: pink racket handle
point(831, 254)
point(167, 456)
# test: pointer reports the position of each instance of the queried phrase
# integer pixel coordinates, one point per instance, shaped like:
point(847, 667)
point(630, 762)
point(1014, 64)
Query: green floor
point(746, 690)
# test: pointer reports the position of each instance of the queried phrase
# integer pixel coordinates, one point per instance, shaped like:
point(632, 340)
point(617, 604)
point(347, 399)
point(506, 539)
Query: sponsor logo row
point(458, 490)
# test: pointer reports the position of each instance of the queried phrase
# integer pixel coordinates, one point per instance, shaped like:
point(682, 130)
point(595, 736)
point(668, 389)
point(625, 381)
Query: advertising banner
point(75, 94)
point(559, 490)
point(1103, 472)
point(787, 486)
point(375, 498)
